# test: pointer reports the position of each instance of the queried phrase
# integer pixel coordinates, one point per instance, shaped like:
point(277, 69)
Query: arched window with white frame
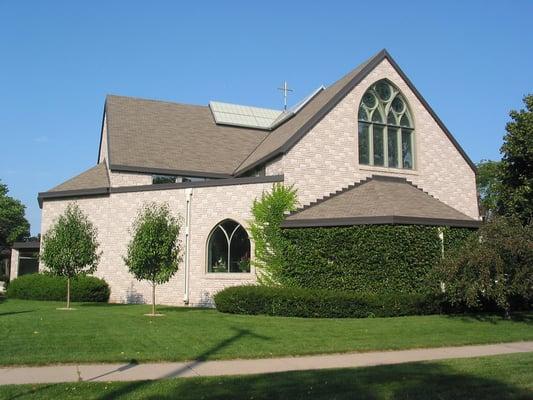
point(228, 248)
point(386, 130)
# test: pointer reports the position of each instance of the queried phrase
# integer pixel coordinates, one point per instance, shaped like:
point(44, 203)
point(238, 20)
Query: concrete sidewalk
point(133, 372)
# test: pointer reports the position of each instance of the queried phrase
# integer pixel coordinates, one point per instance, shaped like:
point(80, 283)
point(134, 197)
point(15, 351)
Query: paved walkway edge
point(150, 371)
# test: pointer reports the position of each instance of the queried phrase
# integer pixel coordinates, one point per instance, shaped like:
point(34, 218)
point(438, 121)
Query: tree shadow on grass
point(160, 309)
point(239, 334)
point(408, 381)
point(415, 381)
point(525, 317)
point(3, 314)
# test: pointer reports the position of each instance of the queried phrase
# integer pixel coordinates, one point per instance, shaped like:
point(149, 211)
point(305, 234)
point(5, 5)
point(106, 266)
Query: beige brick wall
point(113, 216)
point(103, 147)
point(326, 159)
point(118, 179)
point(14, 265)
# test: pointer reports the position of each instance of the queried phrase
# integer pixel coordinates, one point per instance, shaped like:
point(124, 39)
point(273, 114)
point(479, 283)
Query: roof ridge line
point(437, 199)
point(271, 131)
point(156, 100)
point(422, 190)
point(365, 68)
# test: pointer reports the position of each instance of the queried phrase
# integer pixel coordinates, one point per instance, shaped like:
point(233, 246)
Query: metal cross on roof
point(286, 91)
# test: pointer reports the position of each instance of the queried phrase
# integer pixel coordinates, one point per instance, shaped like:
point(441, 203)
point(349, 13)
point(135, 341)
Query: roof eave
point(379, 220)
point(164, 171)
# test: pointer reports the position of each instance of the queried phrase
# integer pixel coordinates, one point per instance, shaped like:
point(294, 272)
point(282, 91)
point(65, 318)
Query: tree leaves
point(154, 252)
point(516, 197)
point(13, 223)
point(70, 246)
point(495, 264)
point(268, 214)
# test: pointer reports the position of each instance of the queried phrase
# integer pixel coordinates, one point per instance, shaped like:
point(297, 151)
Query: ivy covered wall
point(366, 258)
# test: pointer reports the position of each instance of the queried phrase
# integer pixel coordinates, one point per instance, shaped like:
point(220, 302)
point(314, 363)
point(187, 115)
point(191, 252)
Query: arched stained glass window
point(228, 248)
point(386, 144)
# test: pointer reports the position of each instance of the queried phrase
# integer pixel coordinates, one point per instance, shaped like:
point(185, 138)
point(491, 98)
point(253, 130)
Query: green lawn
point(487, 378)
point(35, 332)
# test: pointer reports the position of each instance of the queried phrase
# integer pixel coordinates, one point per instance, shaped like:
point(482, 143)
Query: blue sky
point(472, 61)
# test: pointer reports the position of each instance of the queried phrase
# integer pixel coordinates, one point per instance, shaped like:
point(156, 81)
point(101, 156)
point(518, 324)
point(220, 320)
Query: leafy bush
point(377, 259)
point(296, 302)
point(70, 247)
point(494, 266)
point(49, 287)
point(268, 213)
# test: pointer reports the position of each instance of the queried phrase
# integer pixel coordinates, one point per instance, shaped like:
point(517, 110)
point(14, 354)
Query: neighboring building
point(370, 135)
point(24, 259)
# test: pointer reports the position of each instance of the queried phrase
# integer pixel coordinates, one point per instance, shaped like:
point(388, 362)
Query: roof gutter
point(379, 220)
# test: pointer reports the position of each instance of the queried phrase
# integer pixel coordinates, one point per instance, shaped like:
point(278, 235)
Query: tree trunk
point(507, 313)
point(153, 298)
point(68, 292)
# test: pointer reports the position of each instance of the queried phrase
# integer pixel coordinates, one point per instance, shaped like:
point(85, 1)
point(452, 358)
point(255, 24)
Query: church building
point(368, 149)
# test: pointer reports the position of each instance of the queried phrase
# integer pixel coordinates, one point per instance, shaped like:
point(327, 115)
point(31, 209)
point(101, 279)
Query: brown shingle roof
point(175, 137)
point(379, 200)
point(94, 178)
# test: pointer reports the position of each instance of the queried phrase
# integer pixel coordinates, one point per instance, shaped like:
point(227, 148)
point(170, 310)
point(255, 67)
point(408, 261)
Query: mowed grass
point(487, 378)
point(34, 332)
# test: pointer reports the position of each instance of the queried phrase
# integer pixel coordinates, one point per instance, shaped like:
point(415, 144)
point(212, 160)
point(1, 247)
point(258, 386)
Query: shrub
point(49, 287)
point(268, 213)
point(494, 266)
point(377, 259)
point(296, 302)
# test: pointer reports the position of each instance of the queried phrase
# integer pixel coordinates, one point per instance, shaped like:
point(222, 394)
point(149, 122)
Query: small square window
point(159, 179)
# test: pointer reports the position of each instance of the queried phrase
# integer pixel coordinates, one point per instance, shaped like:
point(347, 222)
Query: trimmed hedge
point(50, 287)
point(296, 302)
point(378, 259)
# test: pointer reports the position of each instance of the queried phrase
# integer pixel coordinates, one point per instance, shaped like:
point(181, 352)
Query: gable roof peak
point(283, 138)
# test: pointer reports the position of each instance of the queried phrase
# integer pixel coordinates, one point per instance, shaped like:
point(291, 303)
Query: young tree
point(13, 223)
point(516, 197)
point(268, 214)
point(488, 186)
point(154, 252)
point(495, 264)
point(70, 246)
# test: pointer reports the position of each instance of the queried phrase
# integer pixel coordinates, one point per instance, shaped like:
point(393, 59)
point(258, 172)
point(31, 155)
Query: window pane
point(376, 116)
point(364, 144)
point(363, 116)
point(379, 152)
point(157, 179)
point(383, 90)
point(405, 121)
point(229, 226)
point(407, 151)
point(393, 147)
point(192, 179)
point(397, 104)
point(218, 252)
point(240, 251)
point(391, 119)
point(369, 100)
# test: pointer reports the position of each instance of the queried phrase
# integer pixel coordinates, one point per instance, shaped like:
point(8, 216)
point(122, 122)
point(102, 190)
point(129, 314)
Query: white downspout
point(188, 197)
